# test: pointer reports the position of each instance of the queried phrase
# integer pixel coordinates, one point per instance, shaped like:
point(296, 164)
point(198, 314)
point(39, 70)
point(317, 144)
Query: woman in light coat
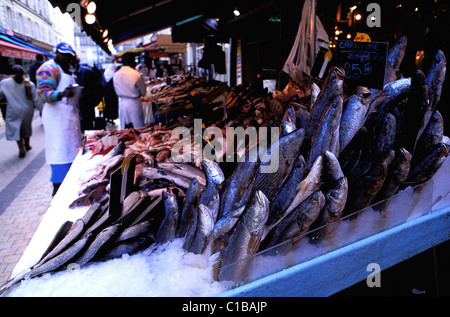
point(21, 98)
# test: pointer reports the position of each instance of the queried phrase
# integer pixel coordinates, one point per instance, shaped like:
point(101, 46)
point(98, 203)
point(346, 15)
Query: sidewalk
point(25, 195)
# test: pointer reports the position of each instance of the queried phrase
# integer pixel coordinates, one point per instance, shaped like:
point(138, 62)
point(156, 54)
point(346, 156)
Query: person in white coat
point(21, 98)
point(60, 115)
point(129, 86)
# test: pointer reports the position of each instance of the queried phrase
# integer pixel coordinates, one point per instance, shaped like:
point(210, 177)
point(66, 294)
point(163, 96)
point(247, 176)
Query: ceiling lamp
point(89, 18)
point(105, 33)
point(236, 12)
point(91, 7)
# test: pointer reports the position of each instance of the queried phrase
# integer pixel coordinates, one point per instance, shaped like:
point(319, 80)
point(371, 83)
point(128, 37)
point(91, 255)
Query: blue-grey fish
point(331, 88)
point(353, 115)
point(296, 223)
point(326, 136)
point(244, 240)
point(168, 227)
point(188, 213)
point(435, 79)
point(277, 162)
point(394, 59)
point(204, 232)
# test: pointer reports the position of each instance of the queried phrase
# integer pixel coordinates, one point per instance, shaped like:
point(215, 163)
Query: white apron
point(130, 111)
point(62, 127)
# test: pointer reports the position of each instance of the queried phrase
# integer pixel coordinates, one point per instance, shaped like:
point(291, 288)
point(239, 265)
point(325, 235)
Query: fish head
point(213, 171)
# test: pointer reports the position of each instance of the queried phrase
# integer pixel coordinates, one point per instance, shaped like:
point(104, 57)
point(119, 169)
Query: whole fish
point(168, 226)
point(335, 190)
point(331, 88)
point(335, 200)
point(287, 192)
point(245, 239)
point(432, 135)
point(304, 189)
point(396, 174)
point(384, 135)
point(424, 170)
point(435, 79)
point(237, 186)
point(296, 223)
point(156, 173)
point(350, 156)
point(100, 240)
point(133, 231)
point(396, 90)
point(210, 196)
point(275, 168)
point(353, 115)
point(326, 136)
point(71, 236)
point(364, 188)
point(92, 214)
point(185, 170)
point(59, 236)
point(188, 213)
point(51, 265)
point(204, 232)
point(129, 246)
point(411, 124)
point(394, 59)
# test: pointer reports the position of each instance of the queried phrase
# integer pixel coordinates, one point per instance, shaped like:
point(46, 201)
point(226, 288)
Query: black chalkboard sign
point(363, 62)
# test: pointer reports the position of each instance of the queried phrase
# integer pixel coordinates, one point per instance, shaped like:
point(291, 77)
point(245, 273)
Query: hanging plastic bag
point(299, 62)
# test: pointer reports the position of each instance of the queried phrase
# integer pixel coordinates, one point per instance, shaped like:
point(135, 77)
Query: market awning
point(16, 41)
point(135, 18)
point(8, 49)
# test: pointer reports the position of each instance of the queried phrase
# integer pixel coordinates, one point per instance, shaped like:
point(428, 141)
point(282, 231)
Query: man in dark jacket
point(34, 67)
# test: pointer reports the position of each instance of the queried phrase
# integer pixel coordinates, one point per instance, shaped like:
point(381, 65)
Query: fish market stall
point(132, 219)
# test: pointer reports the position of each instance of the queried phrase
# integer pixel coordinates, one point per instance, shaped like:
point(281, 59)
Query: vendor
point(129, 86)
point(60, 114)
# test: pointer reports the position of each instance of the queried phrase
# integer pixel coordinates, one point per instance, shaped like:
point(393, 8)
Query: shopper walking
point(129, 86)
point(60, 113)
point(21, 98)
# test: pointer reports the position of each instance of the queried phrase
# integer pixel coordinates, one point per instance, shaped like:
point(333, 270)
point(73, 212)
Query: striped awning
point(8, 49)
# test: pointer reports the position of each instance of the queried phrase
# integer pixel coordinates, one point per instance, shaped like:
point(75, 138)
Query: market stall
point(240, 192)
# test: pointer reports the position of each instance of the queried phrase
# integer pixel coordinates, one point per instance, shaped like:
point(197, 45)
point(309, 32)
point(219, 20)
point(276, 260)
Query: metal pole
point(313, 32)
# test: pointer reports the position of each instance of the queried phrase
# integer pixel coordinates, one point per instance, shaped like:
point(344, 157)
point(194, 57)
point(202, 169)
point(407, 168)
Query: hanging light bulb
point(105, 33)
point(89, 18)
point(91, 7)
point(236, 12)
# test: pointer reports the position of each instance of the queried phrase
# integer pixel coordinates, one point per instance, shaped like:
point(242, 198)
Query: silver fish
point(304, 189)
point(354, 112)
point(394, 59)
point(287, 192)
point(245, 239)
point(188, 213)
point(326, 136)
point(185, 170)
point(73, 234)
point(296, 223)
point(435, 79)
point(271, 175)
point(204, 232)
point(100, 240)
point(53, 264)
point(214, 178)
point(168, 227)
point(331, 88)
point(396, 174)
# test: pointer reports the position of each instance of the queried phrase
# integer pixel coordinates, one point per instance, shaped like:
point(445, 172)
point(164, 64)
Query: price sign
point(363, 62)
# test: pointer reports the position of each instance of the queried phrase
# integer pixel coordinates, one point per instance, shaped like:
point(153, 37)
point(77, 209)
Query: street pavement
point(25, 195)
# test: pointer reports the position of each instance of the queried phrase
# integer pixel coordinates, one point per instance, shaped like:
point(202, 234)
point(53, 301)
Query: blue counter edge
point(346, 266)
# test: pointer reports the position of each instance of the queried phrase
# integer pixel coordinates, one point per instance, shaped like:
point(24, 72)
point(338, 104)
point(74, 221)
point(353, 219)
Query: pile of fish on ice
point(338, 155)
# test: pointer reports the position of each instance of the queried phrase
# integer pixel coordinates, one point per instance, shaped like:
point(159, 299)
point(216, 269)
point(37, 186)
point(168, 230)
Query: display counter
point(318, 265)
